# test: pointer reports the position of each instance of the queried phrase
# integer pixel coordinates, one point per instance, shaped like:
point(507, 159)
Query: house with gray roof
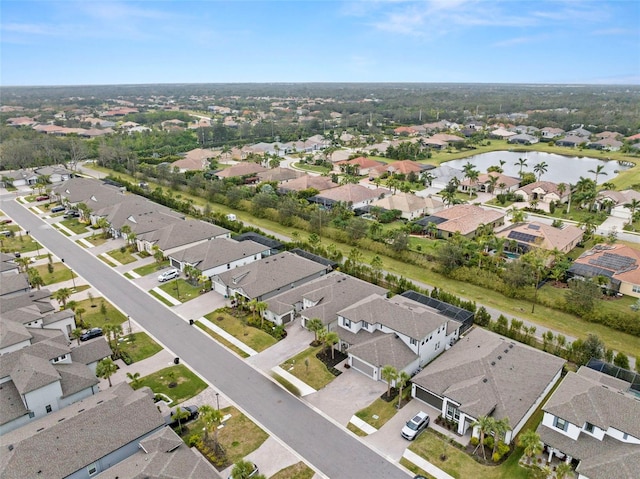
point(80, 441)
point(378, 331)
point(55, 174)
point(218, 255)
point(18, 178)
point(14, 284)
point(485, 374)
point(354, 196)
point(94, 193)
point(265, 278)
point(523, 139)
point(593, 420)
point(8, 264)
point(162, 455)
point(321, 298)
point(38, 374)
point(179, 235)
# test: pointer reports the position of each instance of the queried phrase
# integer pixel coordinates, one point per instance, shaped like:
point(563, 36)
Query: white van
point(231, 217)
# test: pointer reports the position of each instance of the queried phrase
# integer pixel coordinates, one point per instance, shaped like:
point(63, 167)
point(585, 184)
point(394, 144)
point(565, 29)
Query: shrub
point(496, 457)
point(488, 441)
point(474, 441)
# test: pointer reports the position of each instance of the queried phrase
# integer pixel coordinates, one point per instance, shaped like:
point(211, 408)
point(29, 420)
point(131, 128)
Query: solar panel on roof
point(613, 261)
point(524, 237)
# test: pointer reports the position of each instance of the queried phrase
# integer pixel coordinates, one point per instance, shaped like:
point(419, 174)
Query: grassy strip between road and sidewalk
point(161, 298)
point(296, 471)
point(222, 341)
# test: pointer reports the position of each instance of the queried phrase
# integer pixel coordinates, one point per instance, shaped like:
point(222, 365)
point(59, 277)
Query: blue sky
point(174, 41)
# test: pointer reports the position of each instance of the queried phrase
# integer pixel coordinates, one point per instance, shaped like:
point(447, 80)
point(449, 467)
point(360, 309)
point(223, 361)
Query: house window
point(636, 289)
point(365, 325)
point(438, 345)
point(560, 424)
point(92, 469)
point(228, 266)
point(625, 436)
point(32, 414)
point(414, 342)
point(453, 412)
point(346, 322)
point(48, 408)
point(588, 427)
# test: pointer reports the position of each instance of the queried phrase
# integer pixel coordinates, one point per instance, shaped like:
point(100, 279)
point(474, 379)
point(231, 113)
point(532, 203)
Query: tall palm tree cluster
point(488, 426)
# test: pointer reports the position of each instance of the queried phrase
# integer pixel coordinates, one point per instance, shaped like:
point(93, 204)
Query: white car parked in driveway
point(415, 426)
point(168, 275)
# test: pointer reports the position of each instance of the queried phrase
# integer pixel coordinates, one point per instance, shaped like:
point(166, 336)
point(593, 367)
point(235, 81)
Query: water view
point(566, 169)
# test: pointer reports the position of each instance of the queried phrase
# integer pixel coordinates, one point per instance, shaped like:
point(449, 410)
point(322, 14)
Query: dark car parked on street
point(192, 413)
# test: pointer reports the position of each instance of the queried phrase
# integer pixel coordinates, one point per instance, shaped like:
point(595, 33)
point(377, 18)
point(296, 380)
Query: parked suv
point(58, 209)
point(90, 334)
point(168, 275)
point(415, 426)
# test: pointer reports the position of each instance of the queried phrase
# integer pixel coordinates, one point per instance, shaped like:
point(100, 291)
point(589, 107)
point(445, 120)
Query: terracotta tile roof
point(361, 161)
point(623, 261)
point(544, 236)
point(305, 182)
point(466, 218)
point(241, 169)
point(404, 167)
point(353, 194)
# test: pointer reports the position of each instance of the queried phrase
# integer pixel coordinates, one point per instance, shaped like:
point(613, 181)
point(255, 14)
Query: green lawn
point(94, 317)
point(313, 168)
point(296, 471)
point(139, 346)
point(378, 412)
point(74, 225)
point(20, 242)
point(60, 273)
point(107, 260)
point(96, 240)
point(315, 374)
point(151, 268)
point(221, 340)
point(161, 298)
point(122, 258)
point(239, 436)
point(181, 289)
point(608, 304)
point(255, 338)
point(177, 382)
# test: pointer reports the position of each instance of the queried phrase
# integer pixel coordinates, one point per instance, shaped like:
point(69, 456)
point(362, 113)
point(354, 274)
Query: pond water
point(560, 169)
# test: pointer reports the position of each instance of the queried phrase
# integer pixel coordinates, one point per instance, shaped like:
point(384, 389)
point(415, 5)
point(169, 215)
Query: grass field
point(139, 346)
point(181, 290)
point(378, 412)
point(255, 338)
point(60, 273)
point(94, 316)
point(296, 471)
point(74, 225)
point(122, 257)
point(309, 369)
point(177, 382)
point(151, 268)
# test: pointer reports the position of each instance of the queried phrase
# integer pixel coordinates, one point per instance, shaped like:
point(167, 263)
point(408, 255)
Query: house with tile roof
point(356, 166)
point(352, 195)
point(549, 132)
point(378, 331)
point(503, 183)
point(463, 219)
point(616, 201)
point(502, 133)
point(195, 160)
point(403, 167)
point(306, 182)
point(543, 191)
point(72, 443)
point(571, 141)
point(321, 298)
point(485, 374)
point(592, 420)
point(218, 255)
point(244, 169)
point(523, 139)
point(280, 175)
point(619, 263)
point(39, 375)
point(267, 277)
point(411, 206)
point(534, 234)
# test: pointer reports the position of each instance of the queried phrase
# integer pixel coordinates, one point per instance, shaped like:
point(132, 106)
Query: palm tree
point(500, 428)
point(389, 374)
point(633, 206)
point(485, 426)
point(315, 326)
point(331, 339)
point(212, 418)
point(179, 414)
point(134, 378)
point(597, 172)
point(493, 180)
point(448, 197)
point(61, 296)
point(75, 334)
point(517, 216)
point(530, 442)
point(243, 469)
point(473, 180)
point(563, 469)
point(540, 169)
point(522, 162)
point(103, 224)
point(105, 369)
point(23, 263)
point(401, 381)
point(35, 279)
point(261, 307)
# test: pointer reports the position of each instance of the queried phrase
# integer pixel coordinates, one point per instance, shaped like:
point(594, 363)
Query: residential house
point(502, 133)
point(581, 132)
point(178, 235)
point(280, 175)
point(54, 174)
point(267, 277)
point(485, 374)
point(619, 263)
point(503, 183)
point(543, 191)
point(571, 141)
point(593, 420)
point(523, 139)
point(378, 331)
point(218, 255)
point(274, 245)
point(615, 201)
point(14, 284)
point(321, 298)
point(403, 167)
point(405, 131)
point(72, 443)
point(356, 166)
point(549, 132)
point(411, 206)
point(463, 219)
point(307, 182)
point(197, 159)
point(352, 195)
point(162, 454)
point(534, 234)
point(245, 170)
point(440, 141)
point(8, 264)
point(19, 178)
point(608, 143)
point(94, 193)
point(443, 175)
point(38, 375)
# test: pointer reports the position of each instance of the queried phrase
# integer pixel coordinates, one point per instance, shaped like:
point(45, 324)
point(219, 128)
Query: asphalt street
point(326, 446)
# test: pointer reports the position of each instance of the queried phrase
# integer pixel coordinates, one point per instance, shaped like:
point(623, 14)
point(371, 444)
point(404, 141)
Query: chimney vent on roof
point(493, 363)
point(484, 380)
point(499, 357)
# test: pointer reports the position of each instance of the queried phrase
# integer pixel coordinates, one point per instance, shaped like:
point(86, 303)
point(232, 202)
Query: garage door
point(429, 398)
point(219, 288)
point(174, 263)
point(362, 367)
